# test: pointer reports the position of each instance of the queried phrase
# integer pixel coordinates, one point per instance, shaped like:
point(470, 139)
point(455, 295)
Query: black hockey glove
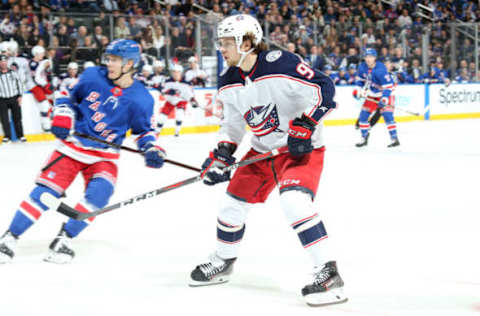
point(299, 136)
point(217, 160)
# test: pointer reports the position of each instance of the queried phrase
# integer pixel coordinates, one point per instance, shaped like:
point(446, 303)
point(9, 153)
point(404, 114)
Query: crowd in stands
point(330, 35)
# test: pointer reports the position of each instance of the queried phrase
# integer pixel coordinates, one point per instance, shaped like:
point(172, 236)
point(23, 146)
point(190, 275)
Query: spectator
point(121, 30)
point(81, 35)
point(158, 41)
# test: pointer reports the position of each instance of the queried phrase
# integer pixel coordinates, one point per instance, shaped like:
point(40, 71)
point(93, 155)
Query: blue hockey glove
point(62, 123)
point(154, 155)
point(212, 167)
point(299, 136)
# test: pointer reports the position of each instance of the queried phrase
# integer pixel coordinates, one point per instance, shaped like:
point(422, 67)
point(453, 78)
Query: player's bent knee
point(297, 205)
point(98, 192)
point(44, 197)
point(233, 212)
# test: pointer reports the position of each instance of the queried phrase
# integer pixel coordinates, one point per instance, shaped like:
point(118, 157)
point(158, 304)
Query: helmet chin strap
point(243, 55)
point(122, 74)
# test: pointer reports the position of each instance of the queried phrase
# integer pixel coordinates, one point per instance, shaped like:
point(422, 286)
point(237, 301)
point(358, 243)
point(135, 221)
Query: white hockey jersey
point(43, 72)
point(196, 77)
point(177, 91)
point(67, 82)
point(279, 88)
point(20, 64)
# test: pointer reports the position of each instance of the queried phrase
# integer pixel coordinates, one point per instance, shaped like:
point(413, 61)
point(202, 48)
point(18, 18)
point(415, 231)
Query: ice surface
point(404, 227)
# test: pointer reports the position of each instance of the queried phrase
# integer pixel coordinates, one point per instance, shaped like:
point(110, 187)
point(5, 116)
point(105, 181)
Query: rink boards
point(412, 102)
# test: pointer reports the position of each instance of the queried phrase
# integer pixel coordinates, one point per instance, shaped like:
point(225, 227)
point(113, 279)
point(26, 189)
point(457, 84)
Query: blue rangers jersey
point(105, 111)
point(376, 81)
point(279, 88)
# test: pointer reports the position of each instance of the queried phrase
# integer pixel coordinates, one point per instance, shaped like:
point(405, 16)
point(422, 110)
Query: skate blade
point(220, 280)
point(58, 258)
point(331, 297)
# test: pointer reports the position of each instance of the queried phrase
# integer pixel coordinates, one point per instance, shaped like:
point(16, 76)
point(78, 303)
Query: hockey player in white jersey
point(20, 64)
point(177, 94)
point(145, 76)
point(283, 101)
point(70, 78)
point(195, 76)
point(42, 90)
point(159, 78)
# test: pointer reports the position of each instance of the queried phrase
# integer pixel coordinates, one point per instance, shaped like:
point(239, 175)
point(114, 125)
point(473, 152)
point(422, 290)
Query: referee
point(10, 98)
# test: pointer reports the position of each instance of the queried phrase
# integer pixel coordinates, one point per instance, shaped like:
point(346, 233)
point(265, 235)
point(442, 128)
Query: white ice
point(404, 225)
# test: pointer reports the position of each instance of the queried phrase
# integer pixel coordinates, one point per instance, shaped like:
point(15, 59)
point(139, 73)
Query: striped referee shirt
point(10, 85)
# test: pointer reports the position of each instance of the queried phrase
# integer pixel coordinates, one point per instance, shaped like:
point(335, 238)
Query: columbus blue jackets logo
point(263, 119)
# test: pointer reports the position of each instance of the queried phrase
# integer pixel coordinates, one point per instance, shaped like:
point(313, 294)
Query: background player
point(177, 94)
point(105, 103)
point(42, 90)
point(283, 101)
point(194, 75)
point(70, 78)
point(376, 86)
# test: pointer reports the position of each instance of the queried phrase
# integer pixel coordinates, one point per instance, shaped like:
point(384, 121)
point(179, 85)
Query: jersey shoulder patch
point(273, 55)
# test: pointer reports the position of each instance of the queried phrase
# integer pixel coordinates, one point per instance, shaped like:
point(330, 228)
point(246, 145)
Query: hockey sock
point(98, 192)
point(30, 210)
point(314, 238)
point(229, 238)
point(391, 125)
point(363, 122)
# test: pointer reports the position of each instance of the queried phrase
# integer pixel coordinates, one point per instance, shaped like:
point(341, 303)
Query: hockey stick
point(98, 140)
point(73, 213)
point(397, 108)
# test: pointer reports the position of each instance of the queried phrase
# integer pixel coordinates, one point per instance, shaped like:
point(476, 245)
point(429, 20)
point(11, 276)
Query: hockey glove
point(212, 167)
point(358, 94)
point(62, 123)
point(194, 103)
point(299, 136)
point(154, 155)
point(383, 102)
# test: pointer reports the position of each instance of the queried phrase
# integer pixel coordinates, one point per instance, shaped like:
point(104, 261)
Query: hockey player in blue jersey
point(283, 101)
point(376, 86)
point(105, 103)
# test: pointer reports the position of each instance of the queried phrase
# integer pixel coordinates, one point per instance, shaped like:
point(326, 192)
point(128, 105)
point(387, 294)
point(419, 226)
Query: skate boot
point(363, 142)
point(216, 271)
point(394, 143)
point(8, 243)
point(60, 248)
point(326, 288)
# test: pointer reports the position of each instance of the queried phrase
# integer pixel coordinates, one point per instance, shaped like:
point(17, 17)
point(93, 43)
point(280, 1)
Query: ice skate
point(363, 142)
point(8, 244)
point(216, 271)
point(394, 143)
point(60, 249)
point(326, 287)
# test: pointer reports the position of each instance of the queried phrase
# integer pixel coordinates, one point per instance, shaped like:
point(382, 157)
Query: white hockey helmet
point(12, 47)
point(192, 59)
point(177, 67)
point(3, 47)
point(72, 65)
point(147, 68)
point(88, 64)
point(37, 50)
point(237, 26)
